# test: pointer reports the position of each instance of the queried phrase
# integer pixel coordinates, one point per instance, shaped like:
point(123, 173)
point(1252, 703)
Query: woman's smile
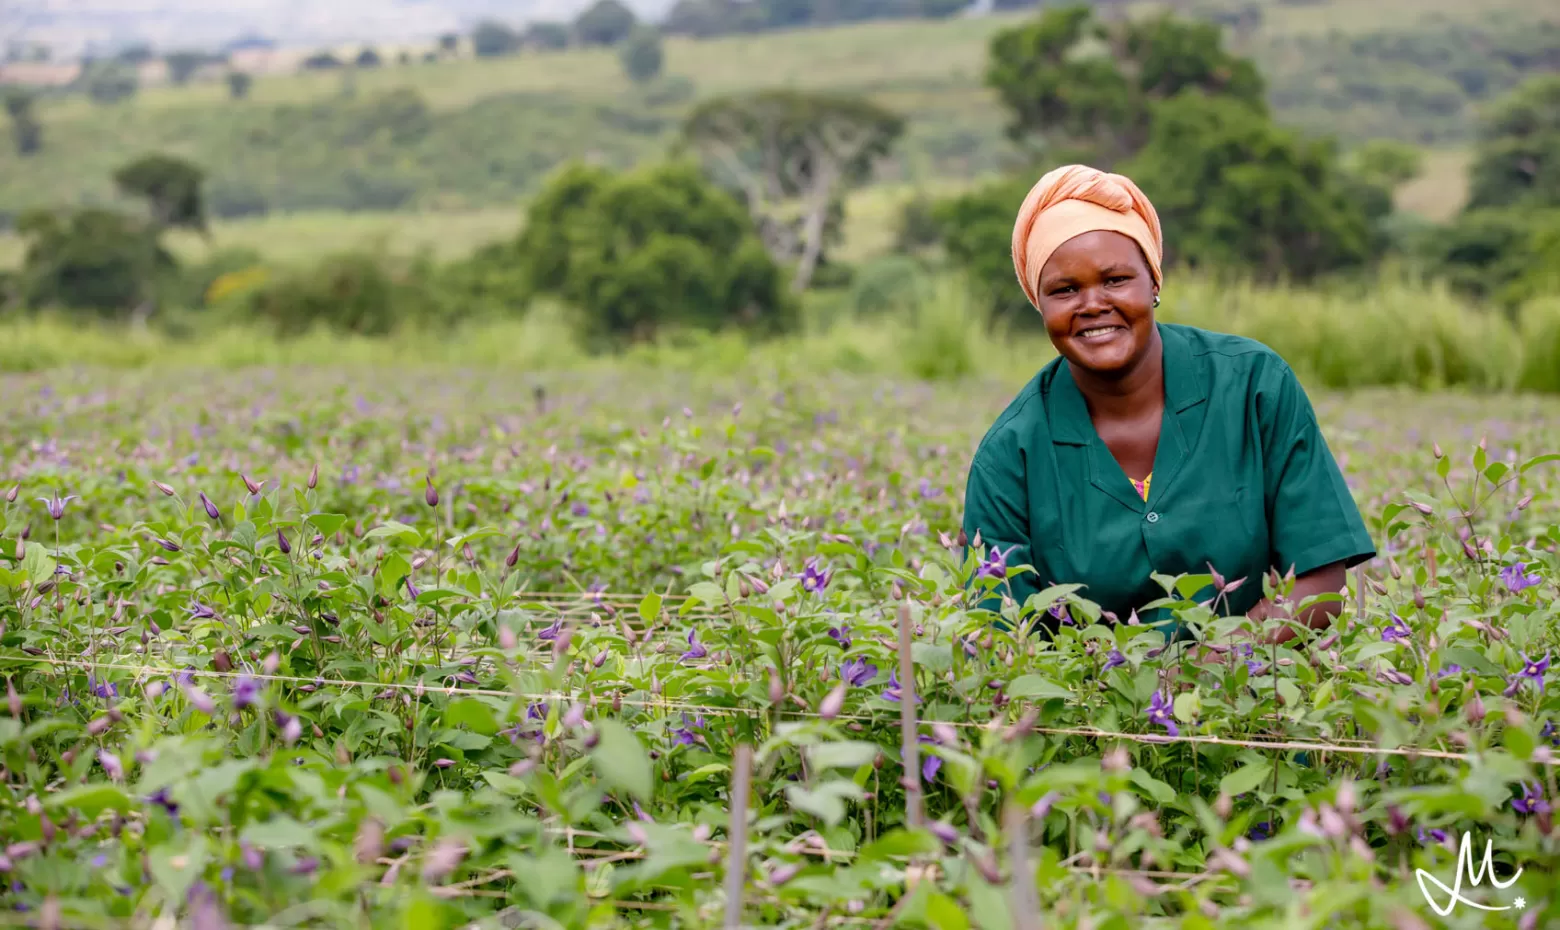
point(1101, 332)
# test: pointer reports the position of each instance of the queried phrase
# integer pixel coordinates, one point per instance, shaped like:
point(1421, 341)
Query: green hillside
point(475, 134)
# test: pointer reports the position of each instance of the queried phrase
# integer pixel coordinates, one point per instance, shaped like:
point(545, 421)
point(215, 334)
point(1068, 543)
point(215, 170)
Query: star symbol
point(1520, 903)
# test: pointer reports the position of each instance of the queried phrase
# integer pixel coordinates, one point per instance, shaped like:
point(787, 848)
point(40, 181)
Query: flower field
point(447, 648)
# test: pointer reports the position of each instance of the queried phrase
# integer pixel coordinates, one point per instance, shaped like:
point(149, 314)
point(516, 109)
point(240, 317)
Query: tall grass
point(1395, 331)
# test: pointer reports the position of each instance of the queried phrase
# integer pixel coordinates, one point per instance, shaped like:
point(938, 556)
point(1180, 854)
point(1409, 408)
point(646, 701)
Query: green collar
point(1185, 391)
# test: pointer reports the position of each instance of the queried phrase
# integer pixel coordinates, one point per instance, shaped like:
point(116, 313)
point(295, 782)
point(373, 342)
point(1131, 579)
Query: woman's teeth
point(1099, 332)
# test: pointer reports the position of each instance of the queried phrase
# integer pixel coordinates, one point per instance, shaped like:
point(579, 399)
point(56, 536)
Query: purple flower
point(112, 767)
point(1517, 579)
point(1531, 802)
point(551, 632)
point(893, 691)
point(1549, 733)
point(1255, 667)
point(1160, 713)
point(580, 509)
point(813, 578)
point(1261, 831)
point(685, 734)
point(536, 712)
point(199, 611)
point(104, 689)
point(995, 565)
point(1447, 670)
point(1531, 671)
point(245, 692)
point(291, 728)
point(1114, 659)
point(412, 590)
point(858, 672)
point(1059, 611)
point(211, 509)
point(162, 799)
point(1396, 630)
point(841, 635)
point(56, 505)
point(929, 767)
point(696, 649)
point(1425, 836)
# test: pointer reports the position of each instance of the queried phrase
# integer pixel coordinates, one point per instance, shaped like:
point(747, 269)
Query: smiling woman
point(1150, 447)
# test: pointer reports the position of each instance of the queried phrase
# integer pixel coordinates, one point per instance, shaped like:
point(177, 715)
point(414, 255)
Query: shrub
point(90, 259)
point(351, 292)
point(656, 248)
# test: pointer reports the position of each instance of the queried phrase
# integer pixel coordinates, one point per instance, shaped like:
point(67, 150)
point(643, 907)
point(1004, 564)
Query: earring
point(1156, 301)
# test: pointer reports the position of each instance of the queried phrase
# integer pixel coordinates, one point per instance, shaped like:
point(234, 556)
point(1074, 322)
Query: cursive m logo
point(1465, 864)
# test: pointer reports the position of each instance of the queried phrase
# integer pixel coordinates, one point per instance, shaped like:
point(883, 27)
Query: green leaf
point(1034, 686)
point(37, 564)
point(471, 713)
point(900, 843)
point(1443, 467)
point(278, 832)
point(1188, 704)
point(1246, 778)
point(1519, 742)
point(1539, 460)
point(90, 799)
point(848, 754)
point(1495, 471)
point(327, 523)
point(621, 761)
point(1158, 790)
point(506, 783)
point(650, 608)
point(944, 913)
point(401, 531)
point(826, 802)
point(175, 870)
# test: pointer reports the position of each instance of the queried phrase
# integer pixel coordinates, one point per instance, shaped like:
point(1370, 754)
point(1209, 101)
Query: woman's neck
point(1140, 388)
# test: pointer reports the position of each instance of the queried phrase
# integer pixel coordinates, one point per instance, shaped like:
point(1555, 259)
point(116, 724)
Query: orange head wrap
point(1071, 201)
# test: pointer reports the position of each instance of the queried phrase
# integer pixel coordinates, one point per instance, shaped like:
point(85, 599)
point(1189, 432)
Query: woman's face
point(1096, 295)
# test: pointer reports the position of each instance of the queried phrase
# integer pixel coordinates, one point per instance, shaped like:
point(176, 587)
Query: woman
point(1150, 447)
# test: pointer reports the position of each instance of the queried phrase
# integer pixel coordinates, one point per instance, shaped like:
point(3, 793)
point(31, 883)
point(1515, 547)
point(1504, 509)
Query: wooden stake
point(907, 728)
point(1021, 885)
point(736, 856)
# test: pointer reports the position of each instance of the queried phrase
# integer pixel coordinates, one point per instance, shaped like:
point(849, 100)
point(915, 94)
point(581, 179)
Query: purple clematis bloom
point(814, 579)
point(102, 689)
point(1531, 802)
point(1427, 836)
point(199, 611)
point(685, 734)
point(1160, 713)
point(162, 799)
point(56, 505)
point(1550, 733)
point(1517, 579)
point(696, 649)
point(1059, 611)
point(857, 672)
point(841, 635)
point(1114, 659)
point(1531, 671)
point(551, 632)
point(931, 764)
point(1448, 670)
point(893, 691)
point(995, 565)
point(1396, 630)
point(245, 691)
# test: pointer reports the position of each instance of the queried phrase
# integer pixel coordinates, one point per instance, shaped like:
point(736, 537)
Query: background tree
point(108, 82)
point(605, 22)
point(792, 155)
point(90, 259)
point(1517, 160)
point(182, 65)
point(239, 84)
point(642, 55)
point(449, 43)
point(492, 39)
point(548, 36)
point(171, 188)
point(26, 130)
point(1074, 83)
point(656, 248)
point(368, 58)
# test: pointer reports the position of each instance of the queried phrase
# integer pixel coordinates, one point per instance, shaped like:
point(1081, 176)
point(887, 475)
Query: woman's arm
point(1329, 579)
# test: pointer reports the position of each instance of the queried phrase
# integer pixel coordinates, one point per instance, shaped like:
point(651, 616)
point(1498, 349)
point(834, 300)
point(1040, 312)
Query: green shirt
point(1243, 480)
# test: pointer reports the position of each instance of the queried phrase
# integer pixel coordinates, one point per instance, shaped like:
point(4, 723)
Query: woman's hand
point(1325, 580)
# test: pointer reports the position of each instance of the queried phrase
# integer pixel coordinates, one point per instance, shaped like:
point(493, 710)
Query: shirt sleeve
point(996, 506)
point(1312, 517)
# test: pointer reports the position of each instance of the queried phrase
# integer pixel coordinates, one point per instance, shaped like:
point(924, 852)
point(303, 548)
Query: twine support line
point(1299, 746)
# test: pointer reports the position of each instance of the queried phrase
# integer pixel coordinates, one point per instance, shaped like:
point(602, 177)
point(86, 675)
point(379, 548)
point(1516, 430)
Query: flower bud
point(250, 484)
point(314, 476)
point(282, 543)
point(833, 702)
point(10, 496)
point(211, 508)
point(1474, 709)
point(430, 494)
point(513, 558)
point(776, 688)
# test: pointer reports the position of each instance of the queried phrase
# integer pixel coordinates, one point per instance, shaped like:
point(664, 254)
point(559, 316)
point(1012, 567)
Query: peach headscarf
point(1071, 201)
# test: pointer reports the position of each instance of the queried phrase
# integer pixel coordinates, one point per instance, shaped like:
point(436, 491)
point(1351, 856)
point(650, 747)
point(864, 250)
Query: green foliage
point(1070, 80)
point(654, 249)
point(239, 84)
point(182, 65)
point(1507, 255)
point(109, 82)
point(349, 292)
point(171, 188)
point(90, 259)
point(1236, 192)
point(976, 233)
point(547, 36)
point(1518, 157)
point(491, 39)
point(604, 22)
point(26, 130)
point(642, 55)
point(1386, 163)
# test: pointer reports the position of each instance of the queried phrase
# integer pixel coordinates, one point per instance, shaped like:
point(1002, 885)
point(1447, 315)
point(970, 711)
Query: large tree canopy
point(1518, 157)
point(792, 154)
point(658, 247)
point(1071, 81)
point(171, 188)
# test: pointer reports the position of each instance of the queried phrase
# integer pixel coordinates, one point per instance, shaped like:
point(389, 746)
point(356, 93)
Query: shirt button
point(1153, 517)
